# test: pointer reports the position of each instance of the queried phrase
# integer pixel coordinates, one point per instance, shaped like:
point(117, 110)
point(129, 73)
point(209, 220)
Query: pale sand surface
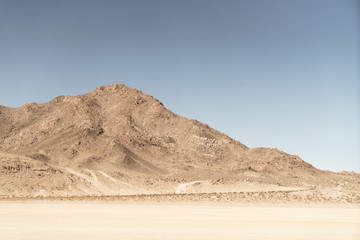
point(101, 220)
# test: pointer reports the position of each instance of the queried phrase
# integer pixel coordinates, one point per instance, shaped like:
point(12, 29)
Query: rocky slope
point(117, 140)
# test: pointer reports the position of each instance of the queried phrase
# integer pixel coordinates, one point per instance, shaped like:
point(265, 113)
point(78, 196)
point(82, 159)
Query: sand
point(101, 220)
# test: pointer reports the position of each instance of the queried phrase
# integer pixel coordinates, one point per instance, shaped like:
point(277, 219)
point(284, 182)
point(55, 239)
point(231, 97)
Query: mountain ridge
point(118, 134)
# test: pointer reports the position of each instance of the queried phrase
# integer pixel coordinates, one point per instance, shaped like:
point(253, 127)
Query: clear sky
point(279, 73)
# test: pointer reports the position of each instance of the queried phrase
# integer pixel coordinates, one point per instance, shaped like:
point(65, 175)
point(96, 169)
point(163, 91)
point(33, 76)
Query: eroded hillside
point(117, 140)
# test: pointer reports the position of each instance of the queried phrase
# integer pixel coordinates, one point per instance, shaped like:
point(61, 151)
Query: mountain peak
point(118, 136)
point(111, 88)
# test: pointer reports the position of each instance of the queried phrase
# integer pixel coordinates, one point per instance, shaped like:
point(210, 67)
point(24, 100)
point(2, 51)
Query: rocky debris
point(131, 137)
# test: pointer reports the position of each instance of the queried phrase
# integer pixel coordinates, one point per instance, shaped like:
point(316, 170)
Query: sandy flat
point(97, 220)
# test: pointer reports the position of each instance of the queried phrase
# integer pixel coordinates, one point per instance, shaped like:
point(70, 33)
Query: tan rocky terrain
point(119, 141)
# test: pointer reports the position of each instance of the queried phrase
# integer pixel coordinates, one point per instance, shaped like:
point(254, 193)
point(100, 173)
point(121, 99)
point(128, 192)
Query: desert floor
point(102, 220)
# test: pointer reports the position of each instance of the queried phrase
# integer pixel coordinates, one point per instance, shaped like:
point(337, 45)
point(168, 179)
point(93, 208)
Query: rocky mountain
point(117, 140)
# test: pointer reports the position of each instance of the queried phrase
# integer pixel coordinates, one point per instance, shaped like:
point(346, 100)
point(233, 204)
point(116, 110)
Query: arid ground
point(116, 164)
point(115, 220)
point(117, 141)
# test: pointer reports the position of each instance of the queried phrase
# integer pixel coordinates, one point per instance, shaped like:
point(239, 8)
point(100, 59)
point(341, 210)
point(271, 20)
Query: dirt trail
point(114, 180)
point(93, 175)
point(183, 188)
point(94, 182)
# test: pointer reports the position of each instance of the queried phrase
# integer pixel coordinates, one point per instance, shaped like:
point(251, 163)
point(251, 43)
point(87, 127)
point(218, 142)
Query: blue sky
point(278, 73)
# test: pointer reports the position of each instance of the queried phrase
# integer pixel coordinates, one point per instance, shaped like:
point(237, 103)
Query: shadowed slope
point(129, 135)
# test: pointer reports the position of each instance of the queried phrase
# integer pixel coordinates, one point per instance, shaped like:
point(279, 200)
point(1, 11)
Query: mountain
point(117, 140)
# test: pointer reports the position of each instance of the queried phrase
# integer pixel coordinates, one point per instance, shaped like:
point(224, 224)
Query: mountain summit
point(117, 140)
